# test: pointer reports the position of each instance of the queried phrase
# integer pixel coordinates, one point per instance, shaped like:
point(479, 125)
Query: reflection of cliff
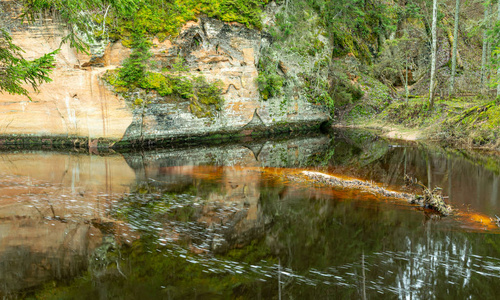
point(67, 186)
point(231, 192)
point(34, 251)
point(47, 202)
point(50, 201)
point(241, 189)
point(209, 208)
point(295, 152)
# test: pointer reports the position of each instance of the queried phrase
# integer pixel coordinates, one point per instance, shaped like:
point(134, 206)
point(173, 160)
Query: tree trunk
point(454, 54)
point(406, 81)
point(451, 39)
point(433, 54)
point(429, 169)
point(498, 55)
point(485, 47)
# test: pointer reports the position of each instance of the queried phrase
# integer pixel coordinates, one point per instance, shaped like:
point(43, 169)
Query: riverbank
point(471, 123)
point(247, 133)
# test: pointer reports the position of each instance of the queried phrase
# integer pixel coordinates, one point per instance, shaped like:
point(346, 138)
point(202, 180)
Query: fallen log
point(430, 199)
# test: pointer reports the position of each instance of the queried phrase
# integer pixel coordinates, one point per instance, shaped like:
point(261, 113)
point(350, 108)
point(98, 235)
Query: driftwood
point(430, 199)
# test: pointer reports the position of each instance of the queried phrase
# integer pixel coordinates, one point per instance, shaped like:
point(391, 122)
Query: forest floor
point(471, 122)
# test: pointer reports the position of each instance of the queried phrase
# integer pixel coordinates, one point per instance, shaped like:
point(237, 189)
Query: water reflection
point(469, 179)
point(214, 222)
point(46, 203)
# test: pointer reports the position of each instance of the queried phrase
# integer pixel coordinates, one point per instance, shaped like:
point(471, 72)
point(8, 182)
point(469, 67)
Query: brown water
point(228, 222)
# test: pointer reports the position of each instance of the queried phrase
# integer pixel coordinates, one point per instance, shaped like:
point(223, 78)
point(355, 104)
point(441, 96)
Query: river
point(228, 221)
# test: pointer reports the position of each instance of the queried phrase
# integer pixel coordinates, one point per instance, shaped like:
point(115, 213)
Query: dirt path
point(391, 131)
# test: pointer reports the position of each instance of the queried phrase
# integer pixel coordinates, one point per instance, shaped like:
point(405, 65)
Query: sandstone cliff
point(79, 106)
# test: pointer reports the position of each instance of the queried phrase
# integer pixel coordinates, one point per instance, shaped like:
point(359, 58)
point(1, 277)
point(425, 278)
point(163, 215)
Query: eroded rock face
point(79, 105)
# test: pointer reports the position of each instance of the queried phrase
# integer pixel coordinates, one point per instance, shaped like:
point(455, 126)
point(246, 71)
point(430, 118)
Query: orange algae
point(478, 221)
point(298, 177)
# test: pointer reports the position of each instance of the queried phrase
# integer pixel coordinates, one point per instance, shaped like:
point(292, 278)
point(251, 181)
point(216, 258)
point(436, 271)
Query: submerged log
point(430, 199)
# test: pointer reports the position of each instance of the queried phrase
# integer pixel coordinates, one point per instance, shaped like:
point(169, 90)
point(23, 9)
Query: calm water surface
point(227, 222)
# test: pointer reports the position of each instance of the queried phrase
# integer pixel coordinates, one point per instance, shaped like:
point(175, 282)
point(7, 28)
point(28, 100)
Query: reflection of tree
point(349, 149)
point(470, 175)
point(403, 255)
point(439, 265)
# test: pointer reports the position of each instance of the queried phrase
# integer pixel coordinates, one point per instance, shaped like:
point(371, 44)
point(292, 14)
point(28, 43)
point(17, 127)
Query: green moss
point(183, 87)
point(164, 19)
point(112, 77)
point(138, 101)
point(158, 82)
point(479, 124)
point(269, 81)
point(206, 98)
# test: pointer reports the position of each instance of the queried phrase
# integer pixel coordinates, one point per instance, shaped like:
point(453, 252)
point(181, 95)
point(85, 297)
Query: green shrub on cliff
point(205, 98)
point(164, 19)
point(135, 66)
point(269, 81)
point(247, 12)
point(157, 82)
point(356, 26)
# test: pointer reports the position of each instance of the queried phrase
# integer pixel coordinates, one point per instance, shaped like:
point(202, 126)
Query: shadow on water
point(226, 222)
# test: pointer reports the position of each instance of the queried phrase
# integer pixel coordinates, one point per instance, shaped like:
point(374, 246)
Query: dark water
point(227, 222)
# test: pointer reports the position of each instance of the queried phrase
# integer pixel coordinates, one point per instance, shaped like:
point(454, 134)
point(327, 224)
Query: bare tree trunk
point(494, 192)
point(406, 81)
point(364, 276)
point(485, 47)
point(434, 49)
point(279, 279)
point(450, 177)
point(498, 55)
point(429, 171)
point(455, 44)
point(488, 51)
point(404, 77)
point(460, 63)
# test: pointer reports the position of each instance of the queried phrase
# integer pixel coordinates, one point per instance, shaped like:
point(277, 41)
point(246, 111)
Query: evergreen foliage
point(16, 72)
point(135, 67)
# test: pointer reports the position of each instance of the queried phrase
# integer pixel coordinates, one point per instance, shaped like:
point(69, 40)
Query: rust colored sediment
point(472, 220)
point(372, 191)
